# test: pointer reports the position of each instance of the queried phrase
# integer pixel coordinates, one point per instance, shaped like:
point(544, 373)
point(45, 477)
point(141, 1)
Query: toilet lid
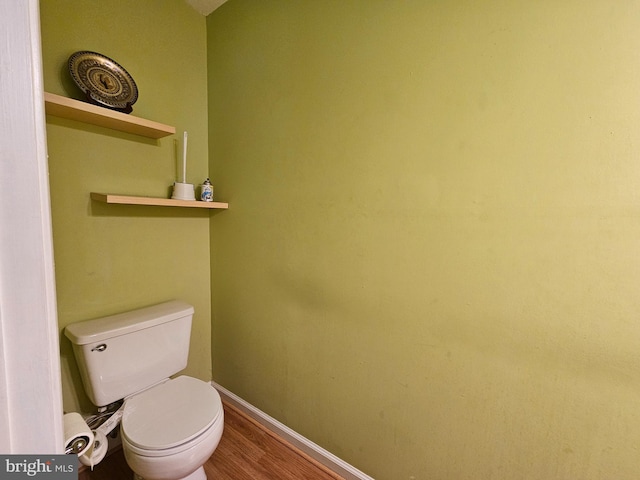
point(171, 413)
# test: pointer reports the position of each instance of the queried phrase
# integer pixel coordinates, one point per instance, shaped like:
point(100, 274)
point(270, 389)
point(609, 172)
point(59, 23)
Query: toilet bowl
point(170, 427)
point(171, 430)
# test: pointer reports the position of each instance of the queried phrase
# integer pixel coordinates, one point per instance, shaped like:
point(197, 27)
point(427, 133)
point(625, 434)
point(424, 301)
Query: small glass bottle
point(206, 191)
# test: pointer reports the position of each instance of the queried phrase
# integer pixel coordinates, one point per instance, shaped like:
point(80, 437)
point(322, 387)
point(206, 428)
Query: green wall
point(430, 259)
point(112, 258)
point(430, 264)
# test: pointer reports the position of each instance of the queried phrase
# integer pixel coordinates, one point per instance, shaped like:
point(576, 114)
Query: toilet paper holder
point(78, 437)
point(77, 445)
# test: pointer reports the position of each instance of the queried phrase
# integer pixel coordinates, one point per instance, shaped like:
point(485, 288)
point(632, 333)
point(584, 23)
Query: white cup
point(183, 191)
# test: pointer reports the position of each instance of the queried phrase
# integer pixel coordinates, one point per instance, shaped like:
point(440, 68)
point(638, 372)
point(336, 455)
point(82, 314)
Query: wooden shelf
point(69, 108)
point(158, 202)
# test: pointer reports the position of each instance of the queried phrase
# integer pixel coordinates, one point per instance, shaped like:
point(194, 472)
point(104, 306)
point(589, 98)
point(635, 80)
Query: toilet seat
point(170, 417)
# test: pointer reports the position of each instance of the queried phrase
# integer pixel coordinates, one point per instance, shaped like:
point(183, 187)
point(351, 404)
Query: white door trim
point(31, 417)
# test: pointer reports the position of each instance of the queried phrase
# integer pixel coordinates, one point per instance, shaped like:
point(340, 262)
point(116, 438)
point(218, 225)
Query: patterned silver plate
point(103, 80)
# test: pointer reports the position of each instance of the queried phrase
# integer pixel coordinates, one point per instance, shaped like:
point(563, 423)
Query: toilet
point(170, 426)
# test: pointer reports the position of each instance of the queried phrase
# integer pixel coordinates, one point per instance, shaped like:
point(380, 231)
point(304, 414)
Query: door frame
point(31, 416)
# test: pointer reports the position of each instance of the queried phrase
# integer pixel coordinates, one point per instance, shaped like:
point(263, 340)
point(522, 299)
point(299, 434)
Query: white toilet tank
point(125, 353)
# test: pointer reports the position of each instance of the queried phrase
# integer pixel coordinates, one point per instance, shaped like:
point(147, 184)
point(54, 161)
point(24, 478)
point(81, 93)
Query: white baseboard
point(319, 454)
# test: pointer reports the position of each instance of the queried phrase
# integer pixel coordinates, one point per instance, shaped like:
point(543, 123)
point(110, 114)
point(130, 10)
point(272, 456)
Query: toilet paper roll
point(97, 452)
point(78, 437)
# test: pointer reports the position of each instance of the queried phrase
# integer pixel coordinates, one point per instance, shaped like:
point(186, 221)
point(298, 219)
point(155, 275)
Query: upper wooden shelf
point(64, 107)
point(159, 202)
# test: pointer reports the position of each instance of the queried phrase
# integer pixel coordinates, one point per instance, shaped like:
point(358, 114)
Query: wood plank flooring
point(247, 451)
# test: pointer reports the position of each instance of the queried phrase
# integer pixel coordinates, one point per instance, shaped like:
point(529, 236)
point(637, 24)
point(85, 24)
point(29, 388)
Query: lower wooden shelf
point(159, 202)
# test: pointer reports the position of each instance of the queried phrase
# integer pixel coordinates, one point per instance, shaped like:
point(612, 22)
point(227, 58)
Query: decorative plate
point(103, 80)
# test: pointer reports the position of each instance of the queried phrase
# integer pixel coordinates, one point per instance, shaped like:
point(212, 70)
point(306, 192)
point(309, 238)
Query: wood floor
point(247, 451)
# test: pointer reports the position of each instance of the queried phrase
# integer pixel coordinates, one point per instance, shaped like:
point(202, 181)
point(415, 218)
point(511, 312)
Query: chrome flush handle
point(99, 348)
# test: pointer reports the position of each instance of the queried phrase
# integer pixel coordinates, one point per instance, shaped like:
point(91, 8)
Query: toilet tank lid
point(100, 329)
